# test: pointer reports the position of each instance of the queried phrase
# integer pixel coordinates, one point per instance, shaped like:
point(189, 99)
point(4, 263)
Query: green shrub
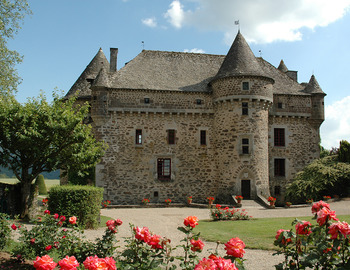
point(84, 202)
point(5, 231)
point(40, 182)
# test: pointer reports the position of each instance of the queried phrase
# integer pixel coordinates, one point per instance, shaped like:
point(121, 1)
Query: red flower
point(47, 248)
point(283, 240)
point(142, 234)
point(96, 263)
point(44, 263)
point(56, 216)
point(303, 228)
point(32, 241)
point(325, 215)
point(191, 221)
point(206, 264)
point(154, 241)
point(14, 227)
point(68, 263)
point(62, 218)
point(47, 212)
point(73, 220)
point(224, 264)
point(317, 206)
point(59, 223)
point(197, 245)
point(339, 227)
point(235, 247)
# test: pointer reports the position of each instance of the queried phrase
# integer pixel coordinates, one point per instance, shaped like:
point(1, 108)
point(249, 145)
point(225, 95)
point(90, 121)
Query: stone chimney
point(113, 59)
point(293, 74)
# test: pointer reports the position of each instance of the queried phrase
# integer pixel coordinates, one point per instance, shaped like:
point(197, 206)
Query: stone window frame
point(138, 136)
point(199, 101)
point(245, 146)
point(245, 141)
point(245, 86)
point(203, 137)
point(171, 136)
point(245, 108)
point(163, 169)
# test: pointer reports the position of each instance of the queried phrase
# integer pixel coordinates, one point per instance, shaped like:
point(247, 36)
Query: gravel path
point(164, 221)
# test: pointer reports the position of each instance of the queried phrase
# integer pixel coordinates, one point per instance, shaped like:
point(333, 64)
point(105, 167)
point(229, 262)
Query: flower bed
point(225, 213)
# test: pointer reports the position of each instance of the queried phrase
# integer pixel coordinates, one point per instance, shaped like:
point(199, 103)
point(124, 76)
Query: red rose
point(303, 228)
point(56, 216)
point(325, 215)
point(62, 218)
point(44, 263)
point(191, 221)
point(73, 220)
point(68, 263)
point(235, 247)
point(14, 227)
point(47, 212)
point(197, 245)
point(32, 241)
point(47, 248)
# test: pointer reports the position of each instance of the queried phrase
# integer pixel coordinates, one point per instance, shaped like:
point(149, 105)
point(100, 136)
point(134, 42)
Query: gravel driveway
point(164, 221)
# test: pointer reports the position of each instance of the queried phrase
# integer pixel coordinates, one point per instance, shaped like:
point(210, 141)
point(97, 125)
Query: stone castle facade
point(185, 124)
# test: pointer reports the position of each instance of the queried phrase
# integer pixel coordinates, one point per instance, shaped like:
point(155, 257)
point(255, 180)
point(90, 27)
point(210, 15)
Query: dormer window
point(245, 86)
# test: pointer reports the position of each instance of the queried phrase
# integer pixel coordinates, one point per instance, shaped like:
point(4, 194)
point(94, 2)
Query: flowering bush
point(271, 199)
point(5, 231)
point(219, 213)
point(44, 263)
point(321, 246)
point(105, 203)
point(239, 197)
point(288, 204)
point(309, 201)
point(168, 201)
point(145, 201)
point(326, 198)
point(210, 199)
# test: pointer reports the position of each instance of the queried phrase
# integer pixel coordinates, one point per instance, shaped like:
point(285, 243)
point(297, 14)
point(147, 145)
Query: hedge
point(84, 202)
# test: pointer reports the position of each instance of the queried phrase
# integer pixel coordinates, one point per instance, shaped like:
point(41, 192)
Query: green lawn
point(256, 233)
point(48, 182)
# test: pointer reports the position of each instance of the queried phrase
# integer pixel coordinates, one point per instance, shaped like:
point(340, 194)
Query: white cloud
point(194, 50)
point(337, 124)
point(175, 14)
point(261, 21)
point(150, 22)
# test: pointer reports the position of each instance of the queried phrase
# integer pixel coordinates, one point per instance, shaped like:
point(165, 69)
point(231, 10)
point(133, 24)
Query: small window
point(171, 136)
point(146, 100)
point(138, 136)
point(198, 101)
point(155, 194)
point(164, 168)
point(245, 85)
point(203, 137)
point(280, 105)
point(280, 169)
point(279, 137)
point(90, 81)
point(245, 146)
point(244, 108)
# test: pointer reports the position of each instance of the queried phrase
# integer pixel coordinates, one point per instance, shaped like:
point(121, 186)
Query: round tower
point(242, 95)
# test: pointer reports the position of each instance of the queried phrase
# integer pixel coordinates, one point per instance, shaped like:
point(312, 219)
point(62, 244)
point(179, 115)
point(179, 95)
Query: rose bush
point(219, 213)
point(324, 245)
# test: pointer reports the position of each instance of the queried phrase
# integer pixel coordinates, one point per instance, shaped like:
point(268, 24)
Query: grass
point(255, 233)
point(48, 182)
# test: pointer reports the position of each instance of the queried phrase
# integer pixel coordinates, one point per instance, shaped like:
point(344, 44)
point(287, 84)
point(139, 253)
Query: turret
point(317, 99)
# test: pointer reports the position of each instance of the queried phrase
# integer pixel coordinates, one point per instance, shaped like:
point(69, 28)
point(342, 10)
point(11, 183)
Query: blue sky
point(311, 36)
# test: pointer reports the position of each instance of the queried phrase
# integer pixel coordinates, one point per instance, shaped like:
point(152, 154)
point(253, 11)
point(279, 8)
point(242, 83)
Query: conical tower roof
point(282, 67)
point(240, 61)
point(313, 87)
point(102, 79)
point(84, 82)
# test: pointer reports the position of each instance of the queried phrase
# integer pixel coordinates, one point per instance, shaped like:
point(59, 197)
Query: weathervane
point(143, 45)
point(237, 23)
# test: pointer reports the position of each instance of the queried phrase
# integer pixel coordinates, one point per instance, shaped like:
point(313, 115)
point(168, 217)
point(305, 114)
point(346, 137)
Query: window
point(245, 85)
point(171, 136)
point(245, 146)
point(244, 108)
point(198, 101)
point(203, 137)
point(146, 100)
point(164, 168)
point(280, 105)
point(280, 167)
point(138, 136)
point(279, 138)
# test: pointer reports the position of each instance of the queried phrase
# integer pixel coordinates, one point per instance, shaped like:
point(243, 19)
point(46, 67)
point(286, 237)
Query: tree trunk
point(26, 198)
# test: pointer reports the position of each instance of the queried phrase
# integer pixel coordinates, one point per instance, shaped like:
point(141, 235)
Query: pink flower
point(56, 216)
point(339, 227)
point(44, 263)
point(197, 245)
point(303, 228)
point(317, 206)
point(47, 212)
point(206, 264)
point(224, 264)
point(284, 240)
point(73, 220)
point(191, 221)
point(47, 248)
point(68, 263)
point(142, 234)
point(96, 263)
point(154, 241)
point(325, 215)
point(235, 247)
point(14, 227)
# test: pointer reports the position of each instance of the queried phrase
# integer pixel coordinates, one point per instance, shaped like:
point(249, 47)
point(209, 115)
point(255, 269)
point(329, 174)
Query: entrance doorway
point(245, 188)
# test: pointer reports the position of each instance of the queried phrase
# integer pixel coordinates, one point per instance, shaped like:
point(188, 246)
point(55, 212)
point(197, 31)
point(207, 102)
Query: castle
point(186, 124)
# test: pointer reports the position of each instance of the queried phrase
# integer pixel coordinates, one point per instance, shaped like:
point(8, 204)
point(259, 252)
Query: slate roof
point(313, 87)
point(83, 83)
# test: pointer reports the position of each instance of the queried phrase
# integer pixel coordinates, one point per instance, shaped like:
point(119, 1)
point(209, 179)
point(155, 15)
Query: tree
point(12, 13)
point(38, 137)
